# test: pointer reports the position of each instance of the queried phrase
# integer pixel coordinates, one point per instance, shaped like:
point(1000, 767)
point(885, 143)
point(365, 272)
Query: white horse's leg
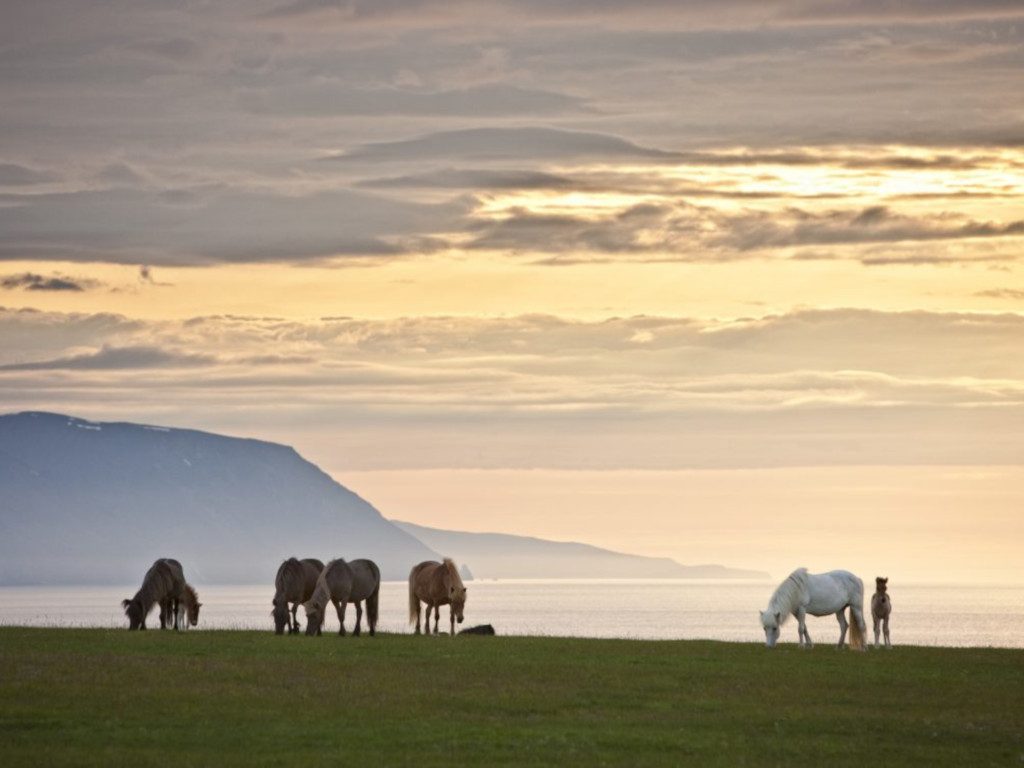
point(842, 626)
point(801, 618)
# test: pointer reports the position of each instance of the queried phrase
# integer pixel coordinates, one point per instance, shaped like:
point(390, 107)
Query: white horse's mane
point(787, 596)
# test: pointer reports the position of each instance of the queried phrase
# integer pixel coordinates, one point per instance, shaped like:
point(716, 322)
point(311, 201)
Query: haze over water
point(964, 615)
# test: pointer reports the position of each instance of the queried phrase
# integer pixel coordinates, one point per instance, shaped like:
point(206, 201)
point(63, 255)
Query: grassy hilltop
point(104, 697)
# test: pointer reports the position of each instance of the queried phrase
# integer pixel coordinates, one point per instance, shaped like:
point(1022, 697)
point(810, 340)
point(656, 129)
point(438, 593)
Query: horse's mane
point(787, 596)
point(453, 572)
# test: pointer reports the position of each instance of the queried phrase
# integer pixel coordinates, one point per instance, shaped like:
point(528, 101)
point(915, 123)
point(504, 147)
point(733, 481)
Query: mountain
point(501, 556)
point(84, 502)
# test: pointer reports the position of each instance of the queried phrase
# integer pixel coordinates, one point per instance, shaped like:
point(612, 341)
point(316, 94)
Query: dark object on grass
point(479, 629)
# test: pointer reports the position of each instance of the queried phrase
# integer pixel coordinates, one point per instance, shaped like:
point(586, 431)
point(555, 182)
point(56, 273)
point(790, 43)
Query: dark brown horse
point(341, 583)
point(163, 581)
point(436, 584)
point(295, 582)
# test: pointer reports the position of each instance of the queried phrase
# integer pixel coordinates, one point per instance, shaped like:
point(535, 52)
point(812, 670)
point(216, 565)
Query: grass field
point(103, 697)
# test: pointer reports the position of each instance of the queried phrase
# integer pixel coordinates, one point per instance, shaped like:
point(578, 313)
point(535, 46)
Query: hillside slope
point(503, 556)
point(90, 502)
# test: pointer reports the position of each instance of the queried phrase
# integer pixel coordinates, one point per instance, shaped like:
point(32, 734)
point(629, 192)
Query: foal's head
point(881, 584)
point(136, 615)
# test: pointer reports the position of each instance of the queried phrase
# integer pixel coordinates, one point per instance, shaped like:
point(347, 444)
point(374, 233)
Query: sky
point(735, 282)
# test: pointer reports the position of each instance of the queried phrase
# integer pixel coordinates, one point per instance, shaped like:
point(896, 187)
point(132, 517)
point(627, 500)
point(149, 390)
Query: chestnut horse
point(436, 584)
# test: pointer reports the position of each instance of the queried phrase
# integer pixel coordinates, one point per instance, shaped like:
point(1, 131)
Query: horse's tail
point(371, 607)
point(414, 602)
point(856, 630)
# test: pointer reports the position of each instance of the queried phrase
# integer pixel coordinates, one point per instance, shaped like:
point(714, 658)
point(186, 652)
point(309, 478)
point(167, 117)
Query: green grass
point(104, 697)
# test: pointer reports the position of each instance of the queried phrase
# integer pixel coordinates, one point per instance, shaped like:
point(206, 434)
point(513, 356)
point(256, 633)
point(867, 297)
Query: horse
point(163, 581)
point(436, 584)
point(185, 610)
point(341, 583)
point(881, 607)
point(818, 594)
point(294, 583)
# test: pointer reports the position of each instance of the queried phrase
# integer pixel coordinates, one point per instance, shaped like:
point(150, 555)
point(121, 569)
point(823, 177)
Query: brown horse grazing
point(295, 582)
point(342, 583)
point(881, 607)
point(185, 612)
point(436, 584)
point(164, 580)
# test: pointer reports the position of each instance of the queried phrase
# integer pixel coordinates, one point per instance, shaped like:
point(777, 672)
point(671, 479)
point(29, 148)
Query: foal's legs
point(885, 629)
point(842, 626)
point(359, 619)
point(874, 623)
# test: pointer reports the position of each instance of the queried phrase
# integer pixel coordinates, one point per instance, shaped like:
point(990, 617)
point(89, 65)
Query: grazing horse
point(185, 610)
point(436, 584)
point(818, 594)
point(295, 582)
point(163, 581)
point(341, 583)
point(881, 607)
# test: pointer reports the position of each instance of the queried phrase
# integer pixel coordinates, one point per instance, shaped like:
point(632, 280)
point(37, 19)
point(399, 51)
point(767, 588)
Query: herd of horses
point(314, 586)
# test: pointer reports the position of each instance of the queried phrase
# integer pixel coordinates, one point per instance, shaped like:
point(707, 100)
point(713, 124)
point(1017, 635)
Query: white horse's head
point(771, 623)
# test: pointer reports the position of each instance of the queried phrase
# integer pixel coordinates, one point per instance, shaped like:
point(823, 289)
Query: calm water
point(718, 610)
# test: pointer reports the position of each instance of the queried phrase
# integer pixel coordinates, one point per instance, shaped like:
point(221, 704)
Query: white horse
point(818, 594)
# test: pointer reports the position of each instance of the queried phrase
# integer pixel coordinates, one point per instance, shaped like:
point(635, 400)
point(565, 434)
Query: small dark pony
point(294, 583)
point(163, 581)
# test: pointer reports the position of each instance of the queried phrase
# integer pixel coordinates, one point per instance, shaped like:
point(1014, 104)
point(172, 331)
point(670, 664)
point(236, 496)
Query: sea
point(728, 610)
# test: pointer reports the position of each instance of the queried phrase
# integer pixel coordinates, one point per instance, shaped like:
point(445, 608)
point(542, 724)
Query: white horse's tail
point(856, 630)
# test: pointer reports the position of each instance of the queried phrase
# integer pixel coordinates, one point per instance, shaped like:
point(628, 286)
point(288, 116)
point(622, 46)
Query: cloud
point(811, 387)
point(1013, 294)
point(30, 281)
point(339, 98)
point(116, 358)
point(203, 226)
point(532, 144)
point(14, 175)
